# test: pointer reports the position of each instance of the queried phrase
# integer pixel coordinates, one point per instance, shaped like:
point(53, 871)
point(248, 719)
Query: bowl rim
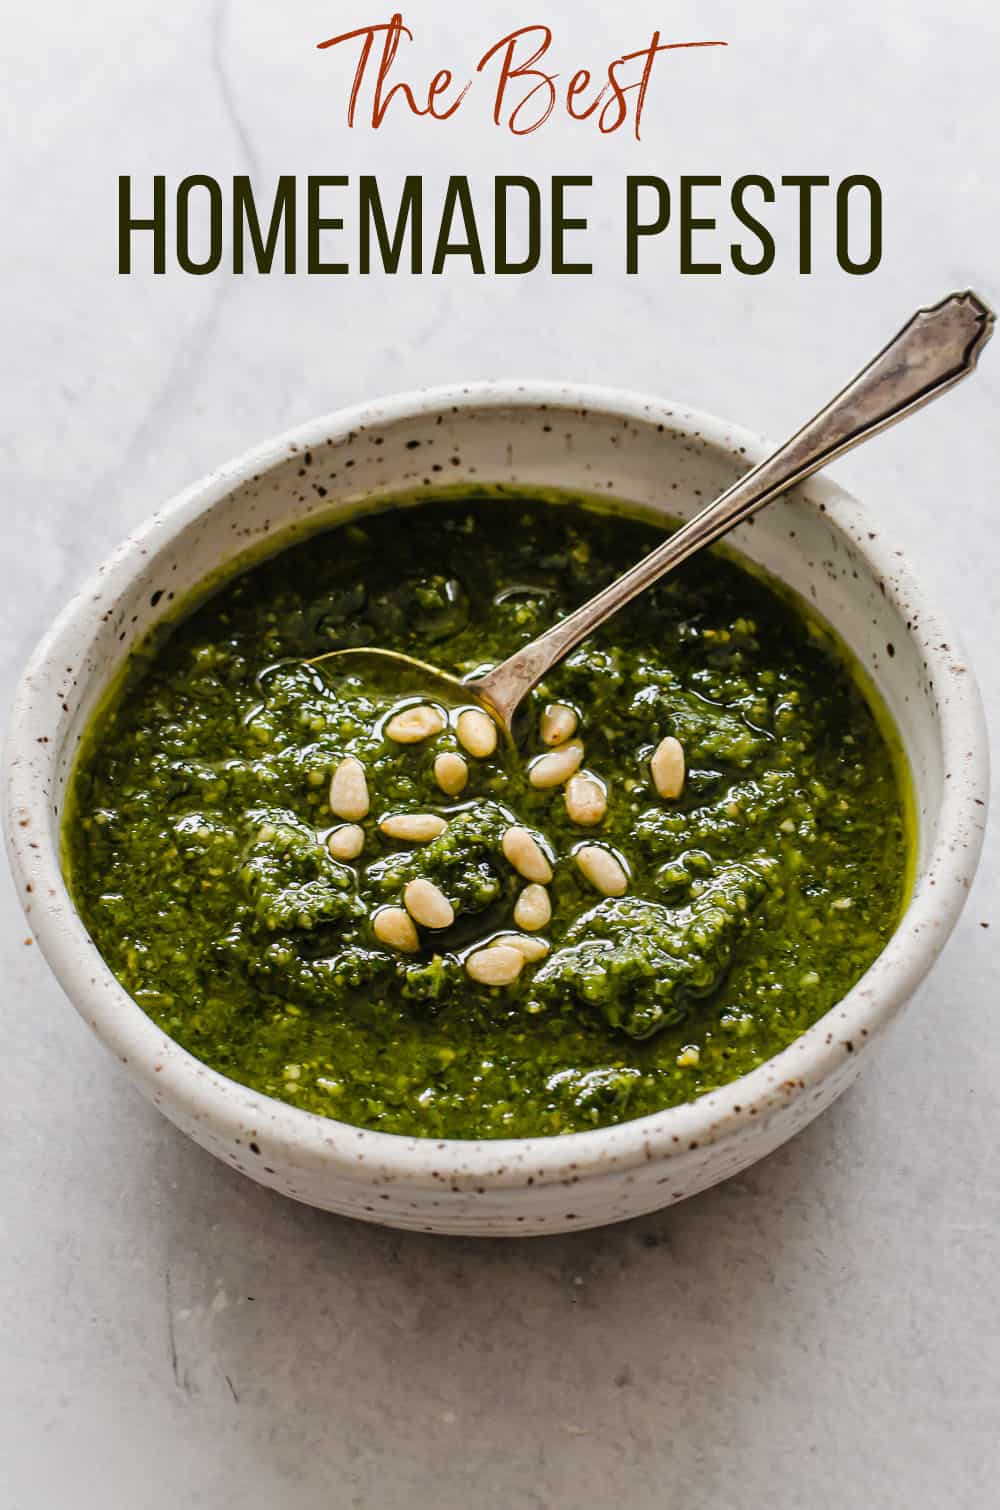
point(174, 1078)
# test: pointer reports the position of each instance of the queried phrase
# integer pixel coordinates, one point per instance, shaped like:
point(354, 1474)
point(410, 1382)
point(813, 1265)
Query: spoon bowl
point(412, 677)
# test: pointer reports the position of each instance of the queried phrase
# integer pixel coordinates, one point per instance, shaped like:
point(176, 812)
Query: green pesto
point(196, 848)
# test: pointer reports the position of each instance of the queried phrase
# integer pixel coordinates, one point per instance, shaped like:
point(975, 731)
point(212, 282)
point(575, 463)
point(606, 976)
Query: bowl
point(664, 458)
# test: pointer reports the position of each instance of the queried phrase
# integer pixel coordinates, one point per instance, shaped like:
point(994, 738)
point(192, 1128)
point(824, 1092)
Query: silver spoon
point(936, 349)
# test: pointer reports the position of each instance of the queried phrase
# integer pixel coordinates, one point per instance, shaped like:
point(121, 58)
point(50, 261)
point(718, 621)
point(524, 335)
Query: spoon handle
point(936, 349)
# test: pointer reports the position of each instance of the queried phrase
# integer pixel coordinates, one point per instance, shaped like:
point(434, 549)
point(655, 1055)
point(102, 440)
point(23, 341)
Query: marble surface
point(823, 1330)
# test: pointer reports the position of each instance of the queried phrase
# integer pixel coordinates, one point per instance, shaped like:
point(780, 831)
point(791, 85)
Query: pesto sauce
point(196, 848)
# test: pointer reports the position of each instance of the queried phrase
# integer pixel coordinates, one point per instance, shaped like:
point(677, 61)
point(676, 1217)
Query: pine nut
point(451, 773)
point(495, 966)
point(427, 904)
point(667, 767)
point(394, 927)
point(346, 842)
point(414, 724)
point(526, 855)
point(349, 789)
point(586, 801)
point(602, 869)
point(417, 828)
point(533, 910)
point(532, 949)
point(477, 732)
point(558, 766)
point(558, 724)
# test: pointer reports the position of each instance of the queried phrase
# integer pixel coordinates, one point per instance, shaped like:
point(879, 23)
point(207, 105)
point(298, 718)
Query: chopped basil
point(196, 840)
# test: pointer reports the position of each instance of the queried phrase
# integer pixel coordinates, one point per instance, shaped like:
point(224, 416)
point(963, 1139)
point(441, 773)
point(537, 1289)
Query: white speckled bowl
point(660, 456)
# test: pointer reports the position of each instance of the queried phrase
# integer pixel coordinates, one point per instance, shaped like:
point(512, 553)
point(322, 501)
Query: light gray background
point(823, 1330)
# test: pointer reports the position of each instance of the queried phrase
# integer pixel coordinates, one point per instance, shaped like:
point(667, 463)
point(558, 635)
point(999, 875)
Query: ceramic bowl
point(664, 458)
